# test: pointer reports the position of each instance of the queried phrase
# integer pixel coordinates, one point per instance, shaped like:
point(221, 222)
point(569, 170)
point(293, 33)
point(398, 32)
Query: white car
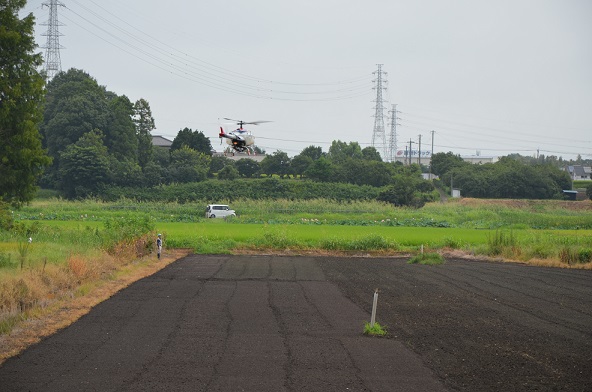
point(219, 211)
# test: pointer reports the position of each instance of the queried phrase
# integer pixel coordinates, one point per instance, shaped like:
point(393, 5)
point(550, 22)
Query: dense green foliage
point(508, 178)
point(76, 106)
point(194, 140)
point(269, 188)
point(22, 158)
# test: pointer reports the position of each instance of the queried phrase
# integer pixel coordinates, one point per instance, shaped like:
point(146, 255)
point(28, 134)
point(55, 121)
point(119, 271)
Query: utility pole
point(53, 64)
point(406, 153)
point(419, 152)
point(378, 135)
point(410, 141)
point(393, 136)
point(432, 154)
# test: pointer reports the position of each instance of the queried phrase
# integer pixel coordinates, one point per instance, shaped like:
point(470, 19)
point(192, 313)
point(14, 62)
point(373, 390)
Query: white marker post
point(373, 318)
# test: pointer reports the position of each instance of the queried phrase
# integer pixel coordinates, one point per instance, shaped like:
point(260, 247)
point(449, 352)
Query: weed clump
point(500, 241)
point(427, 259)
point(375, 330)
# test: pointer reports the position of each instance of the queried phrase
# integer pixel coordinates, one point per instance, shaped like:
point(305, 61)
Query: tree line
point(508, 178)
point(98, 139)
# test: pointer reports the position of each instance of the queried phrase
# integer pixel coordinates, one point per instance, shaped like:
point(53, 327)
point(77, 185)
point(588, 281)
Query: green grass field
point(515, 229)
point(220, 236)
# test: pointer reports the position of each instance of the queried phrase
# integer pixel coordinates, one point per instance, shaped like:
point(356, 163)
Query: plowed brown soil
point(288, 323)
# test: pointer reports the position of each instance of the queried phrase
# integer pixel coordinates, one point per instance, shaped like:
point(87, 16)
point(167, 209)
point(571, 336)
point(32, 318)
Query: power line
point(179, 63)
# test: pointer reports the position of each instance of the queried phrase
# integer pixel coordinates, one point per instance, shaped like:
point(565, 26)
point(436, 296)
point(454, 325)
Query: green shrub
point(452, 243)
point(6, 219)
point(585, 255)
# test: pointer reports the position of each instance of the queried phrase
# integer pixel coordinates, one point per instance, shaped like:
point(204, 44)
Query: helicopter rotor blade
point(240, 122)
point(257, 122)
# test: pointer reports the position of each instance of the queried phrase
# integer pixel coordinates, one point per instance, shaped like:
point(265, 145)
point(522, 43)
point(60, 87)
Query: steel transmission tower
point(392, 148)
point(53, 64)
point(379, 136)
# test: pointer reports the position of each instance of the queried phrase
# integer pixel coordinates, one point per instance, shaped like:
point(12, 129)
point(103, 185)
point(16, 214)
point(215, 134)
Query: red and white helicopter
point(240, 140)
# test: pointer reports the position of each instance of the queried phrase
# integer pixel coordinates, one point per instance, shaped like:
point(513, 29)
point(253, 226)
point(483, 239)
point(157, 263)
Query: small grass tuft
point(427, 259)
point(375, 330)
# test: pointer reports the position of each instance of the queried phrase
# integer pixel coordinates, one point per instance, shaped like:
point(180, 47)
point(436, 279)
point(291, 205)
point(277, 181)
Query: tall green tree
point(84, 166)
point(322, 170)
point(144, 123)
point(313, 152)
point(195, 140)
point(300, 164)
point(75, 105)
point(218, 163)
point(228, 173)
point(442, 163)
point(22, 158)
point(248, 167)
point(371, 154)
point(341, 151)
point(188, 165)
point(277, 163)
point(120, 134)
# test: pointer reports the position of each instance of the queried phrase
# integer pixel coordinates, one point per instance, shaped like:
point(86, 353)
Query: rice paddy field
point(520, 230)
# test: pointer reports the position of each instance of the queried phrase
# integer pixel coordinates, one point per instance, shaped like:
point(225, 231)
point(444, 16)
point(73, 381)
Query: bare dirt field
point(482, 326)
point(289, 323)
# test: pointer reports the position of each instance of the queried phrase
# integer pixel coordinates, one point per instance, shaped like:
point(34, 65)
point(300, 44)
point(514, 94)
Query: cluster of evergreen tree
point(22, 158)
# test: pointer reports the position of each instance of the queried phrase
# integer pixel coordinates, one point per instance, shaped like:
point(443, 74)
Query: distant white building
point(579, 172)
point(426, 157)
point(479, 159)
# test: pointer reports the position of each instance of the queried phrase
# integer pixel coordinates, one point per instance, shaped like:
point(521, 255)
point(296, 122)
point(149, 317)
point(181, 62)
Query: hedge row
point(258, 189)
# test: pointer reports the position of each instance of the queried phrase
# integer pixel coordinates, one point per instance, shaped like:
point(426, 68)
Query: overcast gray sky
point(498, 77)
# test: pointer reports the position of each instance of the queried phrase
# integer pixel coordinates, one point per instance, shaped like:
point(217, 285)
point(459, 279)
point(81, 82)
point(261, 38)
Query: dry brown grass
point(57, 308)
point(77, 266)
